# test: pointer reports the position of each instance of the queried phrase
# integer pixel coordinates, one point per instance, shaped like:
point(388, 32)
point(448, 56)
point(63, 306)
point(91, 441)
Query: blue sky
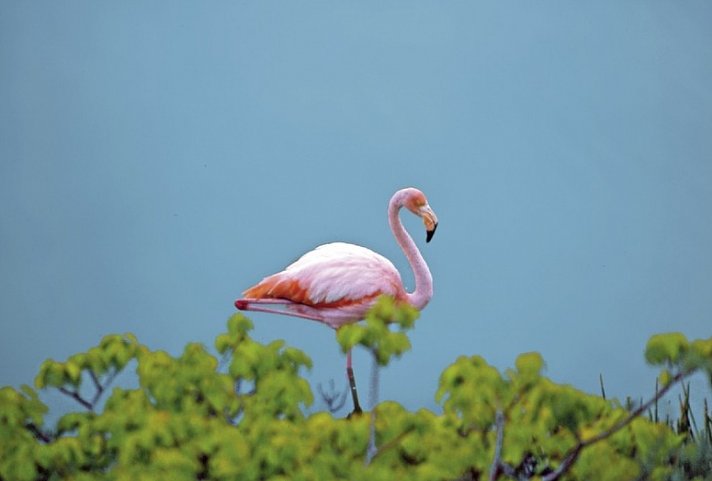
point(157, 158)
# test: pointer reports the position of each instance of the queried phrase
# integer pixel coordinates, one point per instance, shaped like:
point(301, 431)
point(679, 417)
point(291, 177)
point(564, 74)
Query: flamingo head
point(416, 202)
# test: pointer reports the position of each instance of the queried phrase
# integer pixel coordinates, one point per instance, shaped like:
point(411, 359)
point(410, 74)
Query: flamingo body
point(335, 283)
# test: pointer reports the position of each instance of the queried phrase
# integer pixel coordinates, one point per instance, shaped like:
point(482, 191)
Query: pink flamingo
point(337, 283)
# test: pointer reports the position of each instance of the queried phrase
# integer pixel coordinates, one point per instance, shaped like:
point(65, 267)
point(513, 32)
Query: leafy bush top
point(195, 417)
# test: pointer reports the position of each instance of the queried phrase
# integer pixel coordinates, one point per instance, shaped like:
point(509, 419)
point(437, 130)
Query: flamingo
point(337, 283)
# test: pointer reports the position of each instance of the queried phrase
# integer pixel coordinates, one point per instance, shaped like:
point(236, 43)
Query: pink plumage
point(337, 283)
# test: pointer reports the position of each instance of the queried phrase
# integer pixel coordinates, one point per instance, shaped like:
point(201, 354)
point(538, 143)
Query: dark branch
point(77, 397)
point(636, 412)
point(603, 389)
point(566, 464)
point(38, 433)
point(94, 380)
point(100, 388)
point(574, 452)
point(392, 442)
point(333, 399)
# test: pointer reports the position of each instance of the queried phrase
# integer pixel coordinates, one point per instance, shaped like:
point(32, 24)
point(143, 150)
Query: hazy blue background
point(157, 158)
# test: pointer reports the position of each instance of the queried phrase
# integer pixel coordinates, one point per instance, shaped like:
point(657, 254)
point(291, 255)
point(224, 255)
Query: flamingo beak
point(429, 233)
point(430, 220)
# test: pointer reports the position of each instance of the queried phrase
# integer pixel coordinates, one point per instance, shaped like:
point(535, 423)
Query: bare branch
point(94, 379)
point(38, 433)
point(497, 461)
point(100, 388)
point(333, 399)
point(77, 397)
point(393, 442)
point(574, 452)
point(566, 464)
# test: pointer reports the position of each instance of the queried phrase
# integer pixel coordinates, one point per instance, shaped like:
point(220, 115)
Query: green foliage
point(375, 333)
point(242, 418)
point(674, 350)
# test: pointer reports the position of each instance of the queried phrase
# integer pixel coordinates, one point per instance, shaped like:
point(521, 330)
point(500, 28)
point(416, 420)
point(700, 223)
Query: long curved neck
point(423, 279)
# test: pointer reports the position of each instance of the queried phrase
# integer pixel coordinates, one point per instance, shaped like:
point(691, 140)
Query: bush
point(194, 418)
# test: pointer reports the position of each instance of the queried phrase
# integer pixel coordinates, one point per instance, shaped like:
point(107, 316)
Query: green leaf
point(665, 377)
point(72, 421)
point(239, 325)
point(55, 375)
point(223, 343)
point(665, 348)
point(349, 336)
point(529, 364)
point(74, 372)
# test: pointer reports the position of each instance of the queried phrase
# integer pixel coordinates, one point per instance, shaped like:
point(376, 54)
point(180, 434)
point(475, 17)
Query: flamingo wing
point(330, 276)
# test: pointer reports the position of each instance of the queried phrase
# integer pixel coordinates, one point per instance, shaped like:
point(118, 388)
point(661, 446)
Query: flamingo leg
point(352, 384)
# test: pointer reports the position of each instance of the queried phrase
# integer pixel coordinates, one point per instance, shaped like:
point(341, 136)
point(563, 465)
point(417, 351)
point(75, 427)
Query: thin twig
point(38, 433)
point(603, 389)
point(566, 464)
point(385, 447)
point(94, 379)
point(497, 461)
point(102, 387)
point(334, 400)
point(691, 414)
point(708, 423)
point(655, 417)
point(77, 397)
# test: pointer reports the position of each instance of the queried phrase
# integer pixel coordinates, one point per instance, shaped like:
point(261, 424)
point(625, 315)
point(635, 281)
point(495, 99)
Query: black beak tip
point(430, 233)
